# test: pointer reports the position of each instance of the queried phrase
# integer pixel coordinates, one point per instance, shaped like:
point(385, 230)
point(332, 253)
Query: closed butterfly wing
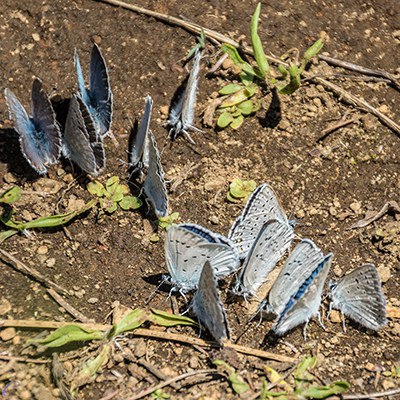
point(359, 296)
point(208, 307)
point(299, 266)
point(83, 91)
point(154, 185)
point(210, 236)
point(81, 142)
point(186, 252)
point(271, 243)
point(139, 152)
point(261, 207)
point(100, 90)
point(306, 302)
point(45, 120)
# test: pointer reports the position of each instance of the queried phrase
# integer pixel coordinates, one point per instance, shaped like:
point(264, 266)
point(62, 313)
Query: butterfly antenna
point(164, 279)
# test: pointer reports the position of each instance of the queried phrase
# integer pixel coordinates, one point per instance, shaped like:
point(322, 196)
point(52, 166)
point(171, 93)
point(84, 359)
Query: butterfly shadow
point(11, 154)
point(274, 113)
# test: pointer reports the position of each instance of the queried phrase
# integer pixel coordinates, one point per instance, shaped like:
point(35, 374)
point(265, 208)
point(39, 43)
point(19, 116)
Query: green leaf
point(241, 189)
point(7, 234)
point(232, 199)
point(224, 119)
point(259, 54)
point(169, 220)
point(96, 188)
point(294, 83)
point(154, 238)
point(240, 96)
point(91, 367)
point(112, 183)
point(68, 334)
point(130, 203)
point(322, 392)
point(301, 376)
point(247, 107)
point(311, 52)
point(284, 72)
point(11, 195)
point(237, 122)
point(164, 318)
point(229, 89)
point(159, 394)
point(238, 61)
point(131, 321)
point(237, 382)
point(117, 196)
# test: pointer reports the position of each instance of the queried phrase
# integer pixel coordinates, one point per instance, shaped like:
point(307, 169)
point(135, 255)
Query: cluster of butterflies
point(89, 121)
point(197, 257)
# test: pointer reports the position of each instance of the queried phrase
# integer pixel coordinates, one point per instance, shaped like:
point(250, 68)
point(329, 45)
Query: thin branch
point(389, 206)
point(24, 359)
point(371, 395)
point(362, 70)
point(156, 372)
point(31, 272)
point(67, 307)
point(326, 132)
point(172, 380)
point(149, 334)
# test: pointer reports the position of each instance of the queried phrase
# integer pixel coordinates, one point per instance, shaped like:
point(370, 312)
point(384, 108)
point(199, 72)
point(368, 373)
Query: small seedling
point(200, 45)
point(159, 394)
point(240, 190)
point(256, 80)
point(168, 221)
point(53, 221)
point(113, 194)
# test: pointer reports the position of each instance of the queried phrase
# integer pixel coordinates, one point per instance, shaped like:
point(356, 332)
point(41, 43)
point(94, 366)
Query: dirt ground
point(328, 185)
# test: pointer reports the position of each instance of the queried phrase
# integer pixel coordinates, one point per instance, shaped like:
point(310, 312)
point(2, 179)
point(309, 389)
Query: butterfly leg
point(343, 322)
point(305, 331)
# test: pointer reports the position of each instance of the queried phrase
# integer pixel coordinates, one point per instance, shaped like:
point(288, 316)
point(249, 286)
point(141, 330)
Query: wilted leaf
point(237, 382)
point(322, 392)
point(164, 318)
point(274, 377)
point(96, 188)
point(237, 122)
point(11, 195)
point(230, 88)
point(91, 367)
point(224, 119)
point(130, 203)
point(68, 334)
point(129, 322)
point(240, 96)
point(258, 50)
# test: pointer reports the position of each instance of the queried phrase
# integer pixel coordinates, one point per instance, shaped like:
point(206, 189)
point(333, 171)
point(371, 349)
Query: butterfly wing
point(261, 207)
point(186, 252)
point(208, 307)
point(45, 120)
point(154, 185)
point(306, 302)
point(190, 93)
point(81, 143)
point(271, 243)
point(26, 131)
point(297, 268)
point(139, 154)
point(83, 92)
point(359, 296)
point(100, 90)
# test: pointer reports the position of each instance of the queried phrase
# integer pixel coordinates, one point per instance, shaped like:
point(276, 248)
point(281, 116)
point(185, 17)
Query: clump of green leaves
point(7, 219)
point(113, 194)
point(168, 221)
point(240, 190)
point(242, 97)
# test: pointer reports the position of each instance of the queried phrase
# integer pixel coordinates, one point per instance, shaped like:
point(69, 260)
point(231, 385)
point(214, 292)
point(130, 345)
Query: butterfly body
point(39, 134)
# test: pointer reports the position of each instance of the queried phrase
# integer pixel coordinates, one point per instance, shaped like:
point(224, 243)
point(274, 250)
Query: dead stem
point(31, 272)
point(371, 395)
point(326, 132)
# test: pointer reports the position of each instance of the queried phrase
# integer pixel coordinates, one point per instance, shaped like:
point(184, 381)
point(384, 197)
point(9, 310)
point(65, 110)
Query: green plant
point(113, 194)
point(169, 220)
point(240, 190)
point(237, 382)
point(7, 219)
point(242, 97)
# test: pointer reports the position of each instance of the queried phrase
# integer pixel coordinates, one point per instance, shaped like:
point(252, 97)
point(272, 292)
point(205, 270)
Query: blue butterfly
point(207, 305)
point(181, 115)
point(261, 207)
point(82, 144)
point(189, 246)
point(272, 241)
point(359, 296)
point(39, 135)
point(97, 97)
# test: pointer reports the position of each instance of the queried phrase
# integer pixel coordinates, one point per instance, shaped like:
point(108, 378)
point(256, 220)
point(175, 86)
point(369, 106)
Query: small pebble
point(214, 220)
point(9, 178)
point(355, 206)
point(7, 334)
point(36, 37)
point(93, 300)
point(384, 273)
point(335, 317)
point(42, 250)
point(5, 306)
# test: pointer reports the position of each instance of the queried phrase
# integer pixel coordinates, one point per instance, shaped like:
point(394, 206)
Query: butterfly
point(359, 296)
point(39, 135)
point(82, 144)
point(97, 97)
point(271, 243)
point(139, 151)
point(181, 115)
point(189, 246)
point(305, 303)
point(261, 207)
point(207, 305)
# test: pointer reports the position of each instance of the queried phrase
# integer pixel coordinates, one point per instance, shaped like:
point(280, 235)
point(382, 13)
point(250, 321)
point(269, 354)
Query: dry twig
point(389, 206)
point(326, 132)
point(371, 395)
